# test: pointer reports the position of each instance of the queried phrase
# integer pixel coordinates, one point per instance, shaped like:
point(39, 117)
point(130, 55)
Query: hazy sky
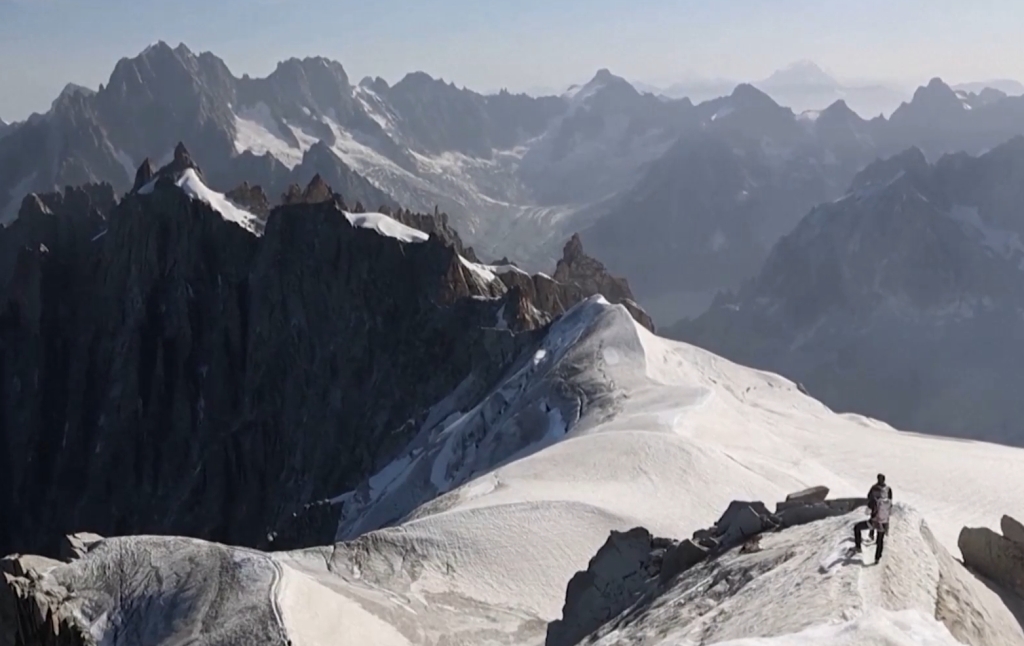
point(520, 44)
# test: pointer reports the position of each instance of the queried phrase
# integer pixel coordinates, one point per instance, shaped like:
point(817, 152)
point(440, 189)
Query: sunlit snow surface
point(190, 182)
point(385, 225)
point(496, 504)
point(193, 185)
point(669, 434)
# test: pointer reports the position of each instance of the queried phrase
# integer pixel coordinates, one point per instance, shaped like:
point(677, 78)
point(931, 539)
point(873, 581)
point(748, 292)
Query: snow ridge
point(190, 182)
point(471, 535)
point(803, 586)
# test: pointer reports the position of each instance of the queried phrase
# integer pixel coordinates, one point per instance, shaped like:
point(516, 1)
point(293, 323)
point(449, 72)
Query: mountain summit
point(801, 74)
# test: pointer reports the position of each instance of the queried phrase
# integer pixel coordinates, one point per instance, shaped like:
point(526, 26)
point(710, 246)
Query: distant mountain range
point(902, 300)
point(292, 420)
point(801, 86)
point(804, 85)
point(518, 174)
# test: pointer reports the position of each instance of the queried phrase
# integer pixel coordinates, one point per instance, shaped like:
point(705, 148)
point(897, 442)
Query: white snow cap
point(194, 187)
point(386, 225)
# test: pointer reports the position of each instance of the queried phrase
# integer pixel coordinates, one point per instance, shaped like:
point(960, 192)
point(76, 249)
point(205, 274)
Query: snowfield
point(386, 225)
point(487, 197)
point(803, 588)
point(496, 504)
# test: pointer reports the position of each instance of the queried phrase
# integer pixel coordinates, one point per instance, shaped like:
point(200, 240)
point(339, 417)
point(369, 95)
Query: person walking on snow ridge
point(880, 506)
point(878, 490)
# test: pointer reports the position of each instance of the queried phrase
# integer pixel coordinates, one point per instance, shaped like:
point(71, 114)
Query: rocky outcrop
point(250, 198)
point(436, 225)
point(185, 376)
point(614, 579)
point(144, 175)
point(316, 191)
point(591, 276)
point(634, 564)
point(1012, 529)
point(577, 276)
point(31, 615)
point(143, 590)
point(575, 266)
point(75, 546)
point(1000, 558)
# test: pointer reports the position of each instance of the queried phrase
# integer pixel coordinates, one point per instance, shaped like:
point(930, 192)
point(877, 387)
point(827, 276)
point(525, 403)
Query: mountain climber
point(877, 491)
point(879, 505)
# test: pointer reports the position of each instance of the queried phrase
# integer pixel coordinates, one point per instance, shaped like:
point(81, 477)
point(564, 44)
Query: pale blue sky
point(486, 44)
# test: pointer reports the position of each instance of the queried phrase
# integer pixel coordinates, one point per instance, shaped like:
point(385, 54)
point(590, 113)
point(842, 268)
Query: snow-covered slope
point(606, 426)
point(804, 588)
point(385, 225)
point(190, 182)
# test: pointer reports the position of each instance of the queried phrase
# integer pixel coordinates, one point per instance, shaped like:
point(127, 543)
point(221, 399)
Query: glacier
point(472, 534)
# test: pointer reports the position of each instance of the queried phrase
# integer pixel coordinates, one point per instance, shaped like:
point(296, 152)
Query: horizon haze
point(529, 47)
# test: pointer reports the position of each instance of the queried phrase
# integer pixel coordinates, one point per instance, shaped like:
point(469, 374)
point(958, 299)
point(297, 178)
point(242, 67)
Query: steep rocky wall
point(1000, 558)
point(163, 370)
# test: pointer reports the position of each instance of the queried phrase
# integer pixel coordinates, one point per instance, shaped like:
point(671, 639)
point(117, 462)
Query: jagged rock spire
point(316, 192)
point(181, 155)
point(251, 198)
point(573, 249)
point(143, 175)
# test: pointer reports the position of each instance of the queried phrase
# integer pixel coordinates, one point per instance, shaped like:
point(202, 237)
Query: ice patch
point(500, 322)
point(386, 225)
point(481, 271)
point(1001, 241)
point(256, 131)
point(195, 188)
point(809, 116)
point(504, 269)
point(611, 356)
point(723, 112)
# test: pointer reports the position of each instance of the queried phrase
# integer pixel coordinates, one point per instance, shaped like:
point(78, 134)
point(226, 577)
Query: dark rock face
point(614, 579)
point(998, 557)
point(163, 370)
point(591, 276)
point(251, 198)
